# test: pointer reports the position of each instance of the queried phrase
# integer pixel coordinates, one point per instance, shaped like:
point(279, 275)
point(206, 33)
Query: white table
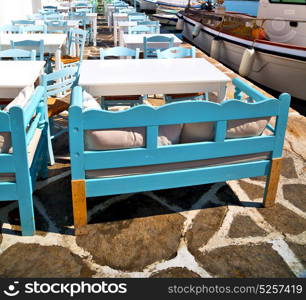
point(54, 42)
point(151, 76)
point(111, 15)
point(123, 27)
point(15, 75)
point(134, 41)
point(74, 8)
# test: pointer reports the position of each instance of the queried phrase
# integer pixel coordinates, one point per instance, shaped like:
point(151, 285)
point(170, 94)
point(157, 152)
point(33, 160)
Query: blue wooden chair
point(35, 29)
point(50, 8)
point(176, 52)
point(18, 54)
point(23, 22)
point(140, 29)
point(180, 52)
point(153, 25)
point(125, 10)
point(11, 29)
point(25, 129)
point(52, 16)
point(83, 23)
point(149, 51)
point(119, 52)
point(39, 46)
point(54, 84)
point(93, 172)
point(137, 17)
point(76, 41)
point(129, 100)
point(57, 26)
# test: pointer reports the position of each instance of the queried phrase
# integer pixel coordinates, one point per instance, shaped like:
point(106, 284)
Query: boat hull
point(282, 73)
point(165, 19)
point(147, 5)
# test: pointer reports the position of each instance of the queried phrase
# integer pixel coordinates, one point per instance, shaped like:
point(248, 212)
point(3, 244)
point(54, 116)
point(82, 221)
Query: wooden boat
point(269, 49)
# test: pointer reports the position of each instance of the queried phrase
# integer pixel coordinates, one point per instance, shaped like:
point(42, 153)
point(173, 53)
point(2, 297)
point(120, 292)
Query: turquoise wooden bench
point(83, 162)
point(27, 156)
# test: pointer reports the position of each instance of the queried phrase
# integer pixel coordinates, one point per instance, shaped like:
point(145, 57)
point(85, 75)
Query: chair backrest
point(85, 10)
point(52, 16)
point(50, 8)
point(11, 29)
point(125, 10)
point(35, 29)
point(23, 22)
point(119, 51)
point(18, 54)
point(39, 46)
point(150, 51)
point(57, 26)
point(139, 29)
point(80, 16)
point(153, 25)
point(82, 4)
point(77, 38)
point(137, 17)
point(60, 81)
point(176, 52)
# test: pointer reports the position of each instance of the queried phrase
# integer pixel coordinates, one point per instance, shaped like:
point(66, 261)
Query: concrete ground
point(216, 230)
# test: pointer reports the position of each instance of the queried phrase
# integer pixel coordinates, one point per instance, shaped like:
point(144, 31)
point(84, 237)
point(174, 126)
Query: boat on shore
point(166, 10)
point(269, 49)
point(148, 5)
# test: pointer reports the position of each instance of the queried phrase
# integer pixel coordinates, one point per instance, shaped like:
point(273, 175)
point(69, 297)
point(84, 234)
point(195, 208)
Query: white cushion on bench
point(123, 138)
point(8, 177)
point(129, 137)
point(21, 100)
point(175, 166)
point(199, 132)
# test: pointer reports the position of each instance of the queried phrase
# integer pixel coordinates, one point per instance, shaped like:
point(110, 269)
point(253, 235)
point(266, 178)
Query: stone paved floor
point(216, 230)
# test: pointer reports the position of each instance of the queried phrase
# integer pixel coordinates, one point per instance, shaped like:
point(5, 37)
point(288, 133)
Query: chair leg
point(50, 148)
point(272, 182)
point(79, 204)
point(26, 212)
point(44, 172)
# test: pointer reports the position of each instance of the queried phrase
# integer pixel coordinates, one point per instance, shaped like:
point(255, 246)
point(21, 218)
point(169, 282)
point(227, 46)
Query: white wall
point(15, 9)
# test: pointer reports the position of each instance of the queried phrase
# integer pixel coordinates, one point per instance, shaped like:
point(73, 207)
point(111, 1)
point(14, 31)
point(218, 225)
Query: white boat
point(166, 10)
point(269, 49)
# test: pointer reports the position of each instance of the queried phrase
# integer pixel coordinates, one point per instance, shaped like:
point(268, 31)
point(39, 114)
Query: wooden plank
point(79, 202)
point(272, 182)
point(172, 179)
point(94, 160)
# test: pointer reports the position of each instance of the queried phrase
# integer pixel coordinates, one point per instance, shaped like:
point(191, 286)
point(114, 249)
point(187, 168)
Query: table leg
point(115, 35)
point(94, 25)
point(222, 93)
point(58, 64)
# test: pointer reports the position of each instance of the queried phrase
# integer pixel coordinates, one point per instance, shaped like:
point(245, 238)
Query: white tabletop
point(126, 23)
point(151, 76)
point(50, 39)
point(15, 75)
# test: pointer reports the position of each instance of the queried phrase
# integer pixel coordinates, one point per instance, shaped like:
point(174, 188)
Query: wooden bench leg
point(272, 182)
point(79, 204)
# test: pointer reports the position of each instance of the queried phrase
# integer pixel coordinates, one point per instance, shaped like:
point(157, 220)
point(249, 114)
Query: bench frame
point(256, 106)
